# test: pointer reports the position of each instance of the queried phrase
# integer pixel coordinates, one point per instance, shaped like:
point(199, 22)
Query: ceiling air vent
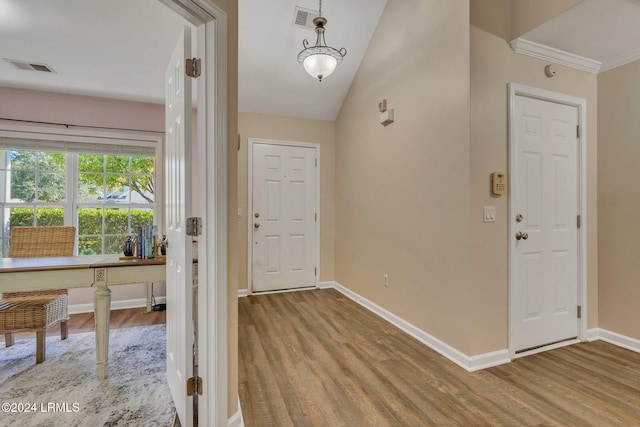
point(304, 17)
point(33, 66)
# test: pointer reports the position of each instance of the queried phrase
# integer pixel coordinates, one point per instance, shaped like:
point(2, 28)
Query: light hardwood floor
point(315, 358)
point(84, 322)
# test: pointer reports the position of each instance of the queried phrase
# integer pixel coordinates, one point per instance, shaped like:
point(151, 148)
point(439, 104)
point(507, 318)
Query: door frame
point(515, 89)
point(211, 23)
point(249, 212)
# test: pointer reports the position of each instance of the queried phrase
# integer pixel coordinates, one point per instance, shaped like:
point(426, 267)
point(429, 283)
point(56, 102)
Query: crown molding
point(620, 60)
point(557, 56)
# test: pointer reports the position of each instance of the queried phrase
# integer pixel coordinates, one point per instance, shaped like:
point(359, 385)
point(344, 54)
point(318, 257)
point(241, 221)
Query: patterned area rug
point(64, 390)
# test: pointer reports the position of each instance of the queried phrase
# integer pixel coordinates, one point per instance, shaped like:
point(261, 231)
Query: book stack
point(147, 237)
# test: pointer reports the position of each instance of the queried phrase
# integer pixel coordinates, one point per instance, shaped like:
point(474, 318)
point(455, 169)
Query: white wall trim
point(515, 90)
point(243, 293)
point(593, 334)
point(547, 53)
point(540, 51)
point(212, 104)
point(620, 60)
point(236, 420)
point(615, 338)
point(115, 305)
point(470, 363)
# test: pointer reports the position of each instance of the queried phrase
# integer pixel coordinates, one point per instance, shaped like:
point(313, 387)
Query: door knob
point(521, 235)
point(256, 225)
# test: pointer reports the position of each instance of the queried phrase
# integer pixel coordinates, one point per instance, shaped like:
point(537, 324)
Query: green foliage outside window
point(89, 225)
point(50, 176)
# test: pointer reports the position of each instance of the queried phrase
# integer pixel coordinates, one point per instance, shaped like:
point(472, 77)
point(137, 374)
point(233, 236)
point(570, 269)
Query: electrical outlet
point(386, 280)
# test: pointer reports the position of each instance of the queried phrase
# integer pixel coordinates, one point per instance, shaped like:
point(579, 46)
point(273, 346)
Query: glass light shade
point(320, 65)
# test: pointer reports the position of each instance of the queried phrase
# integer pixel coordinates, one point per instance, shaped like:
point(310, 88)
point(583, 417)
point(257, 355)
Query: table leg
point(102, 311)
point(149, 285)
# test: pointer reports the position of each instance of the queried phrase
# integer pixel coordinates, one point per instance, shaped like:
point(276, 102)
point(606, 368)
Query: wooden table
point(99, 271)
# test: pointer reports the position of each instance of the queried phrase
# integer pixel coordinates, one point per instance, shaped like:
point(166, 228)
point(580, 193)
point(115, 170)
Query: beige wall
point(619, 199)
point(493, 66)
point(78, 110)
point(402, 191)
point(409, 197)
point(320, 132)
point(230, 7)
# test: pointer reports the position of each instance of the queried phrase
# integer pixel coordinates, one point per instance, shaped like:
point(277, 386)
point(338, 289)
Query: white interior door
point(543, 224)
point(180, 336)
point(284, 227)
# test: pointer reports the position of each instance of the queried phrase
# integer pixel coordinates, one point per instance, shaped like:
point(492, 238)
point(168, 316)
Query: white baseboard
point(236, 419)
point(470, 363)
point(614, 338)
point(245, 292)
point(593, 334)
point(115, 305)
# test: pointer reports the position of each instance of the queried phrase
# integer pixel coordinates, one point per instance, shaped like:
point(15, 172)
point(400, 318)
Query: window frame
point(87, 140)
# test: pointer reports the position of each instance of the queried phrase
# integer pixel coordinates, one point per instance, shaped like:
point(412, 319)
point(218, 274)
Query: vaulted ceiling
point(119, 48)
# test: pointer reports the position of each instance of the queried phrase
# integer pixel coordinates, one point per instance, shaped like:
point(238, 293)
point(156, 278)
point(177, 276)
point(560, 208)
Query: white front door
point(543, 224)
point(284, 217)
point(180, 338)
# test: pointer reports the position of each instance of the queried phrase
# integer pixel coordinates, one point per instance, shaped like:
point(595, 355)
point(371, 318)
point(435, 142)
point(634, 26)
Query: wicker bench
point(35, 311)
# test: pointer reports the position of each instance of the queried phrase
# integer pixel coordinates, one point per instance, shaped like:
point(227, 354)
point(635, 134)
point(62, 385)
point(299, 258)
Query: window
point(115, 196)
point(106, 195)
point(33, 190)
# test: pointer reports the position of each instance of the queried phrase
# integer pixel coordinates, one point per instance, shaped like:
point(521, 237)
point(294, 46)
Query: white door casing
point(546, 280)
point(283, 217)
point(212, 207)
point(180, 334)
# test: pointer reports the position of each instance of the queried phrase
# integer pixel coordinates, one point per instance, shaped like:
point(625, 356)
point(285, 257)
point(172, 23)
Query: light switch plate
point(489, 214)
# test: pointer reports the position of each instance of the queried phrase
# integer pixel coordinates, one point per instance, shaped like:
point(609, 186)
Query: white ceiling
point(271, 80)
point(119, 48)
point(606, 31)
point(110, 48)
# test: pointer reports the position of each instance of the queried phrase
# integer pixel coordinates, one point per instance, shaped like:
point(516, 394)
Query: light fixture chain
point(320, 11)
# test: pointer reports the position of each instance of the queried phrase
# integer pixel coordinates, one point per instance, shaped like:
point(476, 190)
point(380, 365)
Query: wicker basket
point(37, 310)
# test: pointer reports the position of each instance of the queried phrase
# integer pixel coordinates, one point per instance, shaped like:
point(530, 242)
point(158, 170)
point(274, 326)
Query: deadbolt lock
point(519, 218)
point(257, 215)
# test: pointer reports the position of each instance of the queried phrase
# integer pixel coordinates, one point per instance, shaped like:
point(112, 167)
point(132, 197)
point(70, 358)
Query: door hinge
point(579, 221)
point(316, 217)
point(578, 131)
point(316, 162)
point(192, 67)
point(315, 271)
point(194, 226)
point(579, 312)
point(194, 385)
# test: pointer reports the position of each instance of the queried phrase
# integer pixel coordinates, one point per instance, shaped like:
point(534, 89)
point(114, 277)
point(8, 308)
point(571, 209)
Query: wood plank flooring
point(84, 322)
point(315, 358)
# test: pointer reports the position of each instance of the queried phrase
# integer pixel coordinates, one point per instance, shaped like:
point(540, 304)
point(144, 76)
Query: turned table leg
point(102, 311)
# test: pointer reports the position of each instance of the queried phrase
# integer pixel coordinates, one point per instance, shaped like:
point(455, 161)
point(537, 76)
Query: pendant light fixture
point(320, 61)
